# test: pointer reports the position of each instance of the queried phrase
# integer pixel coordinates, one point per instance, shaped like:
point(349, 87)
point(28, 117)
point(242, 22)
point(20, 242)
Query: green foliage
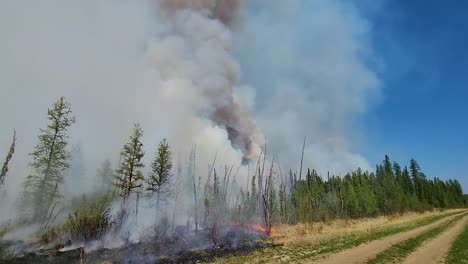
point(5, 228)
point(159, 178)
point(310, 251)
point(129, 178)
point(459, 251)
point(398, 252)
point(49, 235)
point(50, 160)
point(91, 220)
point(361, 194)
point(4, 170)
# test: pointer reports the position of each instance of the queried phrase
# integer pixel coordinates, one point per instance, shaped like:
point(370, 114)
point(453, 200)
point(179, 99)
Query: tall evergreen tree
point(8, 158)
point(159, 178)
point(414, 170)
point(50, 160)
point(129, 178)
point(407, 185)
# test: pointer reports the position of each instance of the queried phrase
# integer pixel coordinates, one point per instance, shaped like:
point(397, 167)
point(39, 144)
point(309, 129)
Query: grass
point(335, 244)
point(398, 252)
point(459, 251)
point(5, 229)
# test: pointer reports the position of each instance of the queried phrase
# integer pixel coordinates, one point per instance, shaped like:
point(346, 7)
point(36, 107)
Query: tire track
point(435, 250)
point(362, 253)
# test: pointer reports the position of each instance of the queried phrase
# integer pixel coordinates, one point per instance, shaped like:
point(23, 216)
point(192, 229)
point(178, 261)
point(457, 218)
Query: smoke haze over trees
point(171, 70)
point(225, 92)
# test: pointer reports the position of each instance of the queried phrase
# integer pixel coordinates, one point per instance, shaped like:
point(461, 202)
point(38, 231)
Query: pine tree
point(407, 185)
point(414, 170)
point(129, 178)
point(352, 202)
point(159, 178)
point(4, 170)
point(50, 160)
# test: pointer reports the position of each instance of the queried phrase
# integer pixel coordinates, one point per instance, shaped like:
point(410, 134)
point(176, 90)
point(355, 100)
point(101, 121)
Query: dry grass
point(317, 232)
point(303, 241)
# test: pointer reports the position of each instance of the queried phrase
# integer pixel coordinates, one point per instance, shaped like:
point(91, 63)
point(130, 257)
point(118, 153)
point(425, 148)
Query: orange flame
point(261, 229)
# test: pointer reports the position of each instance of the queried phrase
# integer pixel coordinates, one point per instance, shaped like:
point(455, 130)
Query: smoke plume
point(196, 46)
point(221, 75)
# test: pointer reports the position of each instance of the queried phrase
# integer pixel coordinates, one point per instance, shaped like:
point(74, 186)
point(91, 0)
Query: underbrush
point(91, 220)
point(4, 229)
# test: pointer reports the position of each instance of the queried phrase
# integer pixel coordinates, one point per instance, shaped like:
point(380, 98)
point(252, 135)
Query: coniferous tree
point(414, 170)
point(50, 160)
point(8, 158)
point(388, 190)
point(159, 178)
point(352, 202)
point(129, 178)
point(407, 185)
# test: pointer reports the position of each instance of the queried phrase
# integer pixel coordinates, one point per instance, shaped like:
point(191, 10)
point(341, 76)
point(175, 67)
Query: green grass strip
point(336, 244)
point(355, 239)
point(399, 251)
point(459, 251)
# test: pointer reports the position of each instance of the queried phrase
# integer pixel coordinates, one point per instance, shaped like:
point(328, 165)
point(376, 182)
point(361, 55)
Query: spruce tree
point(129, 178)
point(159, 178)
point(50, 160)
point(407, 185)
point(8, 158)
point(414, 170)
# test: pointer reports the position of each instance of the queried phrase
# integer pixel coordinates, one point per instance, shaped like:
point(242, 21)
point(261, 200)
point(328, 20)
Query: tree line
point(390, 189)
point(271, 195)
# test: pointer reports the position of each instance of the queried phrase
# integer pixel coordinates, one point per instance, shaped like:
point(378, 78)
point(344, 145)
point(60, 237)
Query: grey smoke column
point(194, 49)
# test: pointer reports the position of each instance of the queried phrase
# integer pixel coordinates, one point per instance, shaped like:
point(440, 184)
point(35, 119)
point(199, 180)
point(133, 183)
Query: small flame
point(261, 229)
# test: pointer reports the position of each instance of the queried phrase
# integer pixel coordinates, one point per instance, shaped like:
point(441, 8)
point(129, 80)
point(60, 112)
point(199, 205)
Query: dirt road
point(368, 251)
point(435, 250)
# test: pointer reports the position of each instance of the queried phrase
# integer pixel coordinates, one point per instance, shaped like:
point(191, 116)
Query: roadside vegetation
point(272, 196)
point(303, 250)
point(399, 251)
point(459, 251)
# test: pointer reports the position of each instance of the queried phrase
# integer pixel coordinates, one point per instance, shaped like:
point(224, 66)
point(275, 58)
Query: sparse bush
point(49, 235)
point(4, 229)
point(91, 220)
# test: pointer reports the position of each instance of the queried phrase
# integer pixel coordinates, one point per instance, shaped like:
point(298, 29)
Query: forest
point(207, 203)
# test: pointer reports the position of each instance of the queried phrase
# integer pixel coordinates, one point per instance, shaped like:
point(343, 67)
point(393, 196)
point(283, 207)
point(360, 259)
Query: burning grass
point(302, 241)
point(182, 246)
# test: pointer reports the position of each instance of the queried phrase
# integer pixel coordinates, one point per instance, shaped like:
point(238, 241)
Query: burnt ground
point(177, 248)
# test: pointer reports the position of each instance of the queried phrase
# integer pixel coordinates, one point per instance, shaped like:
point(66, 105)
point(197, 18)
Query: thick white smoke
point(194, 56)
point(307, 62)
point(216, 74)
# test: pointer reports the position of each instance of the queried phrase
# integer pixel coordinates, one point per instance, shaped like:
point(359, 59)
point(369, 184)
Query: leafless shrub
point(162, 228)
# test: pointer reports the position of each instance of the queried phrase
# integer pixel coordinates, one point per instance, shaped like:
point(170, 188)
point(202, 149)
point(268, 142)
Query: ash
point(183, 246)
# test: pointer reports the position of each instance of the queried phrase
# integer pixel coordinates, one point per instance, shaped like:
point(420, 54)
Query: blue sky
point(423, 49)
